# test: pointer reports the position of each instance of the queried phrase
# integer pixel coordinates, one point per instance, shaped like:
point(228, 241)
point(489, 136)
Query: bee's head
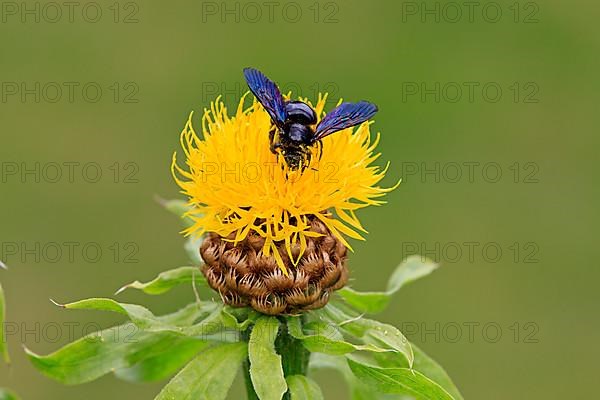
point(300, 112)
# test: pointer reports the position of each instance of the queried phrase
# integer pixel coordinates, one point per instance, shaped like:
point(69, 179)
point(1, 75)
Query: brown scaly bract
point(245, 277)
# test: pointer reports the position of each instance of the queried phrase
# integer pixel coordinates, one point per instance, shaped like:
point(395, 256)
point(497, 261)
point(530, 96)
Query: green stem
point(294, 358)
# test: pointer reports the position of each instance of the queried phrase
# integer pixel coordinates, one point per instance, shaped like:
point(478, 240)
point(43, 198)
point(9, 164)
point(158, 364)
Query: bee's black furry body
point(295, 139)
point(295, 129)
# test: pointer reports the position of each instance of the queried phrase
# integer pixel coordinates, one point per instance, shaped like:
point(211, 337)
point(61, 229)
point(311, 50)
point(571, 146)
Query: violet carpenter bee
point(294, 132)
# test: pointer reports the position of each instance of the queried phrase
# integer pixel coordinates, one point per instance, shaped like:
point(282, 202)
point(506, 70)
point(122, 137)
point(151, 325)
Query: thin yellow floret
point(235, 184)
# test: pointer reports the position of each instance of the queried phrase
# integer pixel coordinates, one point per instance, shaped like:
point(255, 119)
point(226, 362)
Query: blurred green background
point(520, 325)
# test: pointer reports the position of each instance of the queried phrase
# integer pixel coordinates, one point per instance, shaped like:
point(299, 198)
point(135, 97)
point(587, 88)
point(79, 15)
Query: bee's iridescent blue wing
point(344, 116)
point(267, 93)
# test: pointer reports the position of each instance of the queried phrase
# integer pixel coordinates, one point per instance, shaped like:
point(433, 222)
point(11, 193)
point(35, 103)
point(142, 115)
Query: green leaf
point(361, 391)
point(427, 366)
point(210, 316)
point(411, 269)
point(209, 376)
point(119, 347)
point(369, 331)
point(358, 390)
point(366, 302)
point(266, 370)
point(167, 280)
point(95, 355)
point(398, 381)
point(363, 328)
point(238, 318)
point(3, 344)
point(163, 365)
point(325, 338)
point(146, 320)
point(6, 394)
point(303, 388)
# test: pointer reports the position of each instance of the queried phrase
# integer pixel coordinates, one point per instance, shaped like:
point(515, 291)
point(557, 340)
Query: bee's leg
point(307, 159)
point(274, 146)
point(319, 153)
point(320, 147)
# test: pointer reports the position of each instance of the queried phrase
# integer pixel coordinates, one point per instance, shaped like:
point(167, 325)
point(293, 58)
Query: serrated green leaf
point(430, 368)
point(424, 364)
point(119, 347)
point(146, 320)
point(365, 302)
point(358, 390)
point(6, 394)
point(205, 319)
point(238, 318)
point(369, 331)
point(212, 324)
point(209, 376)
point(106, 351)
point(361, 391)
point(3, 344)
point(266, 370)
point(163, 365)
point(303, 388)
point(325, 338)
point(403, 381)
point(167, 280)
point(411, 269)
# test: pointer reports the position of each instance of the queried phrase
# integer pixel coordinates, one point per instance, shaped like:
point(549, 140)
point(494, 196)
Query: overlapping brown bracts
point(245, 277)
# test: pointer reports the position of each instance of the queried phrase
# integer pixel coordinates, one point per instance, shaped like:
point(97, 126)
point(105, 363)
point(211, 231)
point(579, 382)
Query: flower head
point(238, 187)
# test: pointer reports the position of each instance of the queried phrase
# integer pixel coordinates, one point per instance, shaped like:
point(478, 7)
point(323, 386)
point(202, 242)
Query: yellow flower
point(236, 185)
